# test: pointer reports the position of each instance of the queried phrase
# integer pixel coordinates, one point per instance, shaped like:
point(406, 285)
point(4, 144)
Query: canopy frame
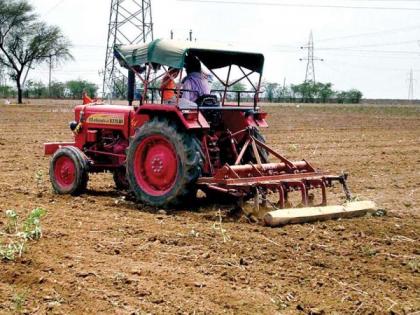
point(143, 73)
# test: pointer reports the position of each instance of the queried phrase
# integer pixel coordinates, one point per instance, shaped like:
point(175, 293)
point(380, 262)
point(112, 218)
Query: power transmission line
point(373, 45)
point(387, 31)
point(55, 6)
point(294, 5)
point(310, 66)
point(409, 52)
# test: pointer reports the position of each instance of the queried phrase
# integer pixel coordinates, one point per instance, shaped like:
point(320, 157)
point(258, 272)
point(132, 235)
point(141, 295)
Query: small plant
point(369, 251)
point(32, 225)
point(19, 300)
point(12, 219)
point(19, 235)
point(414, 265)
point(12, 250)
point(39, 177)
point(217, 226)
point(293, 147)
point(194, 233)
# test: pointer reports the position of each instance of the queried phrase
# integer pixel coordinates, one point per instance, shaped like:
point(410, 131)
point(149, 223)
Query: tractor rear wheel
point(163, 164)
point(68, 171)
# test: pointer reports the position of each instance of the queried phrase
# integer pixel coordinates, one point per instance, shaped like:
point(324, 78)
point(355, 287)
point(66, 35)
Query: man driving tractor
point(195, 83)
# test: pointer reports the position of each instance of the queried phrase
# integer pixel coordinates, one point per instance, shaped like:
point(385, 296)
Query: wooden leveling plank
point(311, 214)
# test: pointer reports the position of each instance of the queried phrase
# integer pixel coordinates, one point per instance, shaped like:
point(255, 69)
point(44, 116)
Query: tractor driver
point(195, 82)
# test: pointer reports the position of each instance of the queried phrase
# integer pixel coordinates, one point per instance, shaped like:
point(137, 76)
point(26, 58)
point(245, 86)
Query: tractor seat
point(207, 100)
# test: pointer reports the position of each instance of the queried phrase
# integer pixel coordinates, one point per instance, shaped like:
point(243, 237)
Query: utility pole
point(130, 23)
point(411, 85)
point(310, 66)
point(49, 77)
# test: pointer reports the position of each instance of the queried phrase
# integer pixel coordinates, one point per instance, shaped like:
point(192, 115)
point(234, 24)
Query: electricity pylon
point(310, 66)
point(130, 23)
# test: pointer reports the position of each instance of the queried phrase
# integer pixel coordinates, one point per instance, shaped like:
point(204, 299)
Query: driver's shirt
point(196, 84)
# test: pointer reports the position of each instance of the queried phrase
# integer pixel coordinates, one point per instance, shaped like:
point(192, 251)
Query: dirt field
point(102, 254)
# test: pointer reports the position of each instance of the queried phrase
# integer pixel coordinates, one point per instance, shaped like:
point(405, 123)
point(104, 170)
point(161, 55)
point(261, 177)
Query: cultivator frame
point(259, 179)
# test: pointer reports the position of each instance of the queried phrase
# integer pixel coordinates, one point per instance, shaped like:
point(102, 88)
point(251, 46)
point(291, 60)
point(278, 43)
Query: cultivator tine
point(257, 200)
point(318, 183)
point(342, 179)
point(282, 196)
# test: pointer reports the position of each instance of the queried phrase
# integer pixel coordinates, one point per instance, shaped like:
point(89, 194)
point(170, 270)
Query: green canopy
point(172, 53)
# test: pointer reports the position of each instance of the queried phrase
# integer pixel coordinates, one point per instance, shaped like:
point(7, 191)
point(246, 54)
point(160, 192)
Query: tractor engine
point(106, 146)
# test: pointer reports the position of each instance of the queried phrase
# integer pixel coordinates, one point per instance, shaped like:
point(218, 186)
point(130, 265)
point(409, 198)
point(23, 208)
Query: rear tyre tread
point(189, 155)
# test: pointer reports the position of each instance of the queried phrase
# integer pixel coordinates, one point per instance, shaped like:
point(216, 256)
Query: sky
point(371, 50)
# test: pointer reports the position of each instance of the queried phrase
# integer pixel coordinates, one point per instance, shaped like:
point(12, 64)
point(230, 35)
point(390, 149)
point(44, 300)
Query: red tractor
point(165, 150)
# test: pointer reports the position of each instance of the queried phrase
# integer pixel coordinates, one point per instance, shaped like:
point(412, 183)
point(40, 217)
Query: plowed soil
point(101, 253)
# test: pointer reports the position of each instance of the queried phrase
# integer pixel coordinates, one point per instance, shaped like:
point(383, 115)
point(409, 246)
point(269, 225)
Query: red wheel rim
point(156, 165)
point(64, 172)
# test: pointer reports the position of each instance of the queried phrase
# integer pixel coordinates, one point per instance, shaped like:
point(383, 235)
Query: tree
point(25, 41)
point(324, 91)
point(217, 86)
point(76, 88)
point(354, 96)
point(306, 91)
point(271, 90)
point(7, 91)
point(310, 92)
point(57, 89)
point(121, 88)
point(36, 89)
point(238, 87)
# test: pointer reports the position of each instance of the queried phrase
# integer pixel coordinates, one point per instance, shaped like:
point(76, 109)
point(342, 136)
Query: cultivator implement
point(261, 180)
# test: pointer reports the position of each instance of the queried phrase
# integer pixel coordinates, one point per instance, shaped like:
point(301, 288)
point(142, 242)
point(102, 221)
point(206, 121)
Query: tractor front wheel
point(68, 171)
point(163, 164)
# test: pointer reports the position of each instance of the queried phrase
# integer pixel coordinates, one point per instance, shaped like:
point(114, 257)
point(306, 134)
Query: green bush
point(76, 87)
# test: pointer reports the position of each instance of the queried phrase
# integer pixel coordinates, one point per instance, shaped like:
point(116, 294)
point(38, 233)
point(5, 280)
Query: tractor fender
point(190, 118)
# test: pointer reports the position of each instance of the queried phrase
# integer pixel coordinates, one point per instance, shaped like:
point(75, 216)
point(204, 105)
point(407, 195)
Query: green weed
point(39, 177)
point(12, 221)
point(414, 265)
point(369, 251)
point(32, 225)
point(19, 300)
point(12, 250)
point(20, 234)
point(217, 226)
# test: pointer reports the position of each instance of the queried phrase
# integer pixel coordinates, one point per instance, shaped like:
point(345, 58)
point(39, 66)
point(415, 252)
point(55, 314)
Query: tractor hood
point(172, 53)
